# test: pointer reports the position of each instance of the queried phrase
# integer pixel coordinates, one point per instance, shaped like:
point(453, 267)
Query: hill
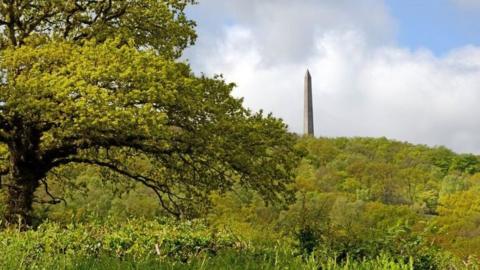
point(356, 198)
point(360, 195)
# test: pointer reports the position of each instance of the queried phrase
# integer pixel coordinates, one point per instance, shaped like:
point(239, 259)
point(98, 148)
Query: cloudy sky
point(404, 69)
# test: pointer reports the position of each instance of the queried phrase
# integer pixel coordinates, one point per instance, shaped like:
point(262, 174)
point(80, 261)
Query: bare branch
point(54, 200)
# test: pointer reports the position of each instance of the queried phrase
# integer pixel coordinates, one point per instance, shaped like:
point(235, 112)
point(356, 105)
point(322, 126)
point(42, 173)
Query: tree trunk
point(25, 172)
point(20, 194)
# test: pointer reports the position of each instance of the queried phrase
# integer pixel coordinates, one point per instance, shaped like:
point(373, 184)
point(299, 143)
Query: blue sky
point(404, 69)
point(439, 25)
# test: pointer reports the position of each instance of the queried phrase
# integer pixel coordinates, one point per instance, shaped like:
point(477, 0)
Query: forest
point(360, 203)
point(114, 154)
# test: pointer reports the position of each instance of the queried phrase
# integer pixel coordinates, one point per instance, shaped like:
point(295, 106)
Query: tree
point(96, 83)
point(160, 25)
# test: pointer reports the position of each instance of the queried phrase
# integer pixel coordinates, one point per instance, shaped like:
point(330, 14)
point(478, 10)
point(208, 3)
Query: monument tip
point(307, 73)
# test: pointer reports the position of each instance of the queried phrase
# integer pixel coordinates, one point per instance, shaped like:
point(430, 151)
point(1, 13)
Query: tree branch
point(54, 200)
point(11, 23)
point(138, 142)
point(148, 182)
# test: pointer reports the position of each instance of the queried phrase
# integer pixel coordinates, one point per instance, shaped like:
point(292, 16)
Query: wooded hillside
point(355, 197)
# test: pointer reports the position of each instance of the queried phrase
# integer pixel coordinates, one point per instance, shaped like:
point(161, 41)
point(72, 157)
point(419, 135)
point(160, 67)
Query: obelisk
point(308, 106)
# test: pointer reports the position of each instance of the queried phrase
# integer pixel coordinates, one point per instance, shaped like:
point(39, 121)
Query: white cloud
point(284, 30)
point(364, 85)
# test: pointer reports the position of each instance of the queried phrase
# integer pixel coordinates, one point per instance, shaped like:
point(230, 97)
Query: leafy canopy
point(157, 24)
point(96, 83)
point(113, 106)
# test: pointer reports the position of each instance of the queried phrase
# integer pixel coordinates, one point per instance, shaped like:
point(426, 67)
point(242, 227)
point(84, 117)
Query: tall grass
point(141, 244)
point(228, 260)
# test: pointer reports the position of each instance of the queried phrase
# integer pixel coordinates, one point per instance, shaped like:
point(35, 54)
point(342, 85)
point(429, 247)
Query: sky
point(407, 70)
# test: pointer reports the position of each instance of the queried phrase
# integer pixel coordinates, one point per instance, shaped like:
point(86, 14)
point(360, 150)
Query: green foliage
point(364, 197)
point(92, 97)
point(97, 83)
point(307, 240)
point(466, 163)
point(135, 240)
point(141, 244)
point(338, 218)
point(142, 117)
point(157, 24)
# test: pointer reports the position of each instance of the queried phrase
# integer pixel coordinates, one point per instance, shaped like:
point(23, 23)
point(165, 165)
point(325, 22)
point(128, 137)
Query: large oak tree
point(96, 82)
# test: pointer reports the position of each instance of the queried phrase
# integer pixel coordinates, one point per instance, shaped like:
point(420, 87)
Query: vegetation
point(141, 244)
point(113, 154)
point(95, 82)
point(136, 240)
point(341, 218)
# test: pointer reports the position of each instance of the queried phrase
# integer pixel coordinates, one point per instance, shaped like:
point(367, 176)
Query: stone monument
point(308, 106)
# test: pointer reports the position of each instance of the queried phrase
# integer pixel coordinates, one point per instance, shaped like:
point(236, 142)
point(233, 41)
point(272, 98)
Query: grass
point(140, 244)
point(232, 260)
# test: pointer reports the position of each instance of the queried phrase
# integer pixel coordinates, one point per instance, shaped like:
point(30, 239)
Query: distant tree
point(466, 163)
point(95, 82)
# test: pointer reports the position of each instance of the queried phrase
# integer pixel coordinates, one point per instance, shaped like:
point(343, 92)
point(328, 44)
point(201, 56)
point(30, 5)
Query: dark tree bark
point(25, 171)
point(19, 201)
